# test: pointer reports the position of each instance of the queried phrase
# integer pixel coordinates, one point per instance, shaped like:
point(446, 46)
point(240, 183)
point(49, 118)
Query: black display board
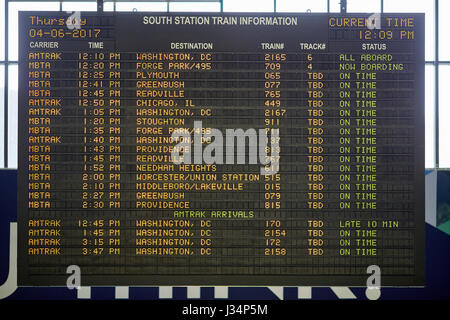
point(101, 94)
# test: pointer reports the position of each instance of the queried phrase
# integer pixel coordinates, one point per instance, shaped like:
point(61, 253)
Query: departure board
point(221, 149)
